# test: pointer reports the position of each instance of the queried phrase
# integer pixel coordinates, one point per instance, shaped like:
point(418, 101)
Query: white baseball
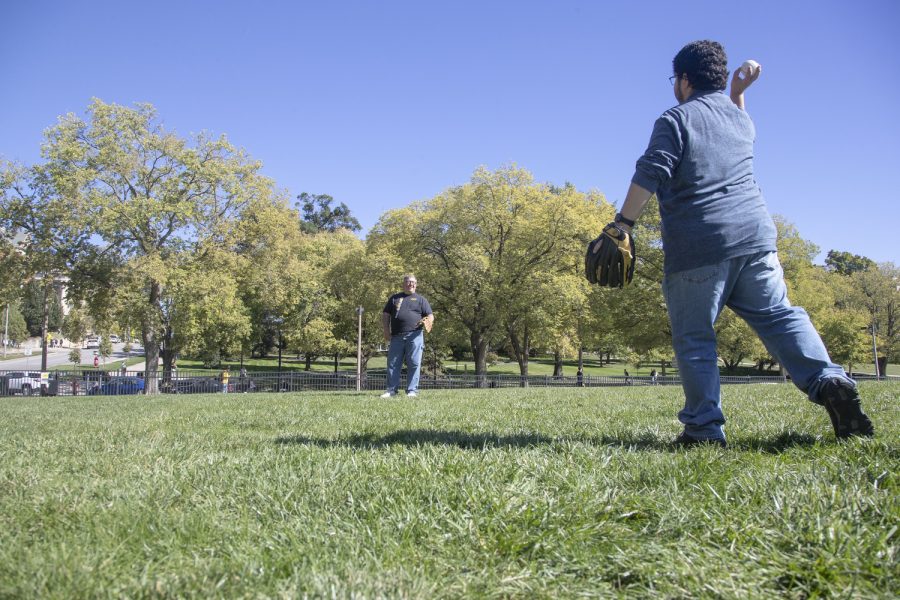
point(749, 68)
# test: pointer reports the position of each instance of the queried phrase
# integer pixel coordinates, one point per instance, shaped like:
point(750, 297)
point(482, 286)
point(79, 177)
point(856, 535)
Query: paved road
point(60, 356)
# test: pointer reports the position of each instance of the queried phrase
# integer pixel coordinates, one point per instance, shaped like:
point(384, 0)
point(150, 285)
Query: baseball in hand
point(749, 68)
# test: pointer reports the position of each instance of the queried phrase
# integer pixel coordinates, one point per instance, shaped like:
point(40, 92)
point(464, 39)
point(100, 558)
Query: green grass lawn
point(540, 492)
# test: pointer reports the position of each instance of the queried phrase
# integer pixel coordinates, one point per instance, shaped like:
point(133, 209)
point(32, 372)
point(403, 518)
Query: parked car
point(113, 338)
point(92, 342)
point(118, 386)
point(195, 385)
point(25, 383)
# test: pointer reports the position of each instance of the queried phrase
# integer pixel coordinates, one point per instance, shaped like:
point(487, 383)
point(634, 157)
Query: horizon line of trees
point(187, 243)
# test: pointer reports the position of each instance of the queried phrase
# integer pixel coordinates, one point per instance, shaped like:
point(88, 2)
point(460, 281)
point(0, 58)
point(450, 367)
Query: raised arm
point(741, 79)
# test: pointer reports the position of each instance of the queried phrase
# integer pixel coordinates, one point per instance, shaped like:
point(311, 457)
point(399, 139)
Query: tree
point(38, 298)
point(12, 264)
point(37, 206)
point(317, 214)
point(281, 278)
point(207, 317)
point(736, 341)
point(480, 245)
point(18, 329)
point(149, 196)
point(76, 325)
point(844, 334)
point(544, 308)
point(639, 311)
point(75, 356)
point(846, 263)
point(878, 290)
point(363, 277)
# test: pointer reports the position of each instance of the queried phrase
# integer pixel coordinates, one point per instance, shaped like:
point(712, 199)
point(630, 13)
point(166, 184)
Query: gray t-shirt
point(699, 162)
point(406, 311)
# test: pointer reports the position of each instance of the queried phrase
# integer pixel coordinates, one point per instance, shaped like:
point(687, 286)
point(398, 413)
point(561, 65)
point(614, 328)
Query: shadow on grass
point(467, 440)
point(420, 437)
point(776, 444)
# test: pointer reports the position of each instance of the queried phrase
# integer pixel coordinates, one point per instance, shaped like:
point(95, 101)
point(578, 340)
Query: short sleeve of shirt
point(426, 308)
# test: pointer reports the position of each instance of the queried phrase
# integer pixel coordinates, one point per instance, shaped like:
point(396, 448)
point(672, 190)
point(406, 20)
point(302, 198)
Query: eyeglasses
point(672, 79)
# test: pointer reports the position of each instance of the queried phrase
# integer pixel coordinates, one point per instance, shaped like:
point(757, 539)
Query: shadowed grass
point(478, 493)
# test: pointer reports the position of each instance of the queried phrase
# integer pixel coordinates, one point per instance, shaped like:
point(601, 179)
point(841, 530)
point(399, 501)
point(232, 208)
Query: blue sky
point(383, 103)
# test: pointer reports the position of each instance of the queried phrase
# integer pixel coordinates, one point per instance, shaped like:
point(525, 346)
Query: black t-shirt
point(406, 311)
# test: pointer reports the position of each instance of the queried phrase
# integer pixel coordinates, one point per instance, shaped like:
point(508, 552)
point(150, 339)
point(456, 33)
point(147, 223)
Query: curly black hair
point(704, 63)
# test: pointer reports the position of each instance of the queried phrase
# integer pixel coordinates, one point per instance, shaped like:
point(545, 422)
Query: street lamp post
point(359, 313)
point(875, 352)
point(6, 330)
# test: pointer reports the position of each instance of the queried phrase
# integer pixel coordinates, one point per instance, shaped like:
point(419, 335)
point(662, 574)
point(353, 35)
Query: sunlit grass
point(466, 493)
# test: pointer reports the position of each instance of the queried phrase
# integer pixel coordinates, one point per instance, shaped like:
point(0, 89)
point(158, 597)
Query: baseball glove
point(611, 263)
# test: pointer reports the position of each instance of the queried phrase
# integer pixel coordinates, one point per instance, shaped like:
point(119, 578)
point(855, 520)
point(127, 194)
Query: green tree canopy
point(318, 215)
point(847, 263)
point(149, 196)
point(480, 245)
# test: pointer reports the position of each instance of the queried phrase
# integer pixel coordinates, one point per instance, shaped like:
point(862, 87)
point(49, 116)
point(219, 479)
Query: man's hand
point(740, 81)
point(427, 322)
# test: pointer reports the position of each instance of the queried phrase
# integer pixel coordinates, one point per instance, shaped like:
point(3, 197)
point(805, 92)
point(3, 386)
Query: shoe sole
point(845, 411)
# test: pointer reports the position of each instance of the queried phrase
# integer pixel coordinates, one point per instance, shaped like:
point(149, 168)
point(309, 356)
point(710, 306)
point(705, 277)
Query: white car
point(114, 338)
point(23, 383)
point(92, 342)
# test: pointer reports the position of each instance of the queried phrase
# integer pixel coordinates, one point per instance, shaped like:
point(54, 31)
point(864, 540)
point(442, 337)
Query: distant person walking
point(224, 377)
point(405, 317)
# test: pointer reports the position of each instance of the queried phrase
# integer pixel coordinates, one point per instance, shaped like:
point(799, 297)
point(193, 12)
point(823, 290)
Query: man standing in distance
point(404, 318)
point(719, 247)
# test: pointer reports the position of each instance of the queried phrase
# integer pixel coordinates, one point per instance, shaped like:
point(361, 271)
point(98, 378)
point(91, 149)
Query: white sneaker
point(387, 395)
point(412, 395)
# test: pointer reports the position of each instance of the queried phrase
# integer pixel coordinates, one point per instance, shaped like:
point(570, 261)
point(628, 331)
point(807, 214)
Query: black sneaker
point(686, 441)
point(841, 400)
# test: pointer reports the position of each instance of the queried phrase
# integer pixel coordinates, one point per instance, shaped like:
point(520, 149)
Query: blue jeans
point(753, 287)
point(405, 348)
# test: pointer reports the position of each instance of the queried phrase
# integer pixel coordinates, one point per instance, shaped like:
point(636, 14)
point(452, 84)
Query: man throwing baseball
point(405, 318)
point(719, 247)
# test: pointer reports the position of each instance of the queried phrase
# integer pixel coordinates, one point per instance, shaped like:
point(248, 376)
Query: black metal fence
point(89, 383)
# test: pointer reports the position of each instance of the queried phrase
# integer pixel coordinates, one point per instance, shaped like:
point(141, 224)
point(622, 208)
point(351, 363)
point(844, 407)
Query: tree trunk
point(882, 365)
point(308, 363)
point(479, 350)
point(521, 348)
point(150, 339)
point(731, 365)
point(45, 326)
point(365, 355)
point(167, 353)
point(557, 364)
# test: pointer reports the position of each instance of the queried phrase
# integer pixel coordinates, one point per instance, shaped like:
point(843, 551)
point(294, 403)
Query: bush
point(75, 356)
